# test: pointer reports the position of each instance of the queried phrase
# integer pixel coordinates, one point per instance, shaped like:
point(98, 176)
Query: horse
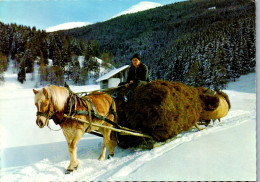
point(52, 102)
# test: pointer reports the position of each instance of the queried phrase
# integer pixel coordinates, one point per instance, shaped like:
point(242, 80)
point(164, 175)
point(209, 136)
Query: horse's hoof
point(68, 171)
point(110, 156)
point(101, 158)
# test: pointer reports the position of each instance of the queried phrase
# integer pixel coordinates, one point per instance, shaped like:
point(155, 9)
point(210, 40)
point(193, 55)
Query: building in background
point(114, 77)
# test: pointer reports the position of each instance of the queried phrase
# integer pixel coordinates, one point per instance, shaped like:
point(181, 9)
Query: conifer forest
point(198, 42)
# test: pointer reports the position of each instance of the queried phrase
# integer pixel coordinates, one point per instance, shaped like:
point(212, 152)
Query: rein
point(51, 128)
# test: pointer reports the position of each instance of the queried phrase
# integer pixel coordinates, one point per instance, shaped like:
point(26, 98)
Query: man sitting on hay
point(137, 76)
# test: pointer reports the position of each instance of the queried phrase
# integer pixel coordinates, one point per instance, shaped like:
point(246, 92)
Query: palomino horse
point(52, 102)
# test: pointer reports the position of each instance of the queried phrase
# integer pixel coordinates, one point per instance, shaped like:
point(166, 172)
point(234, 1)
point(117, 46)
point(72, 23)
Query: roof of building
point(112, 73)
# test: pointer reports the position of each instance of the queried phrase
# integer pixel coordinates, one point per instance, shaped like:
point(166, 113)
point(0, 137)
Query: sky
point(48, 13)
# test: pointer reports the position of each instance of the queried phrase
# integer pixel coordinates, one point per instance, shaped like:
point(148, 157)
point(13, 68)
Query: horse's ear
point(45, 92)
point(35, 91)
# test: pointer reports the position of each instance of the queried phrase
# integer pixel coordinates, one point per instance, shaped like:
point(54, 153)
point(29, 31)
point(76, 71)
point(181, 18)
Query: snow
point(66, 26)
point(17, 113)
point(214, 7)
point(142, 6)
point(225, 151)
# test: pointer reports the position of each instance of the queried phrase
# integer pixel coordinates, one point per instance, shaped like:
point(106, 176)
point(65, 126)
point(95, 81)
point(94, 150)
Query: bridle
point(48, 115)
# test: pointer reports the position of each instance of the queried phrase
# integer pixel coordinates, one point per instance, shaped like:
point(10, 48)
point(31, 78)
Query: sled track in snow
point(232, 120)
point(125, 162)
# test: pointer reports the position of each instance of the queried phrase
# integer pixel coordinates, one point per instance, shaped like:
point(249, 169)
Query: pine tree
point(59, 74)
point(57, 58)
point(44, 74)
point(83, 76)
point(3, 66)
point(21, 73)
point(3, 62)
point(206, 64)
point(52, 46)
point(76, 72)
point(43, 60)
point(107, 59)
point(218, 70)
point(193, 77)
point(4, 43)
point(44, 52)
point(82, 46)
point(66, 53)
point(56, 75)
point(29, 60)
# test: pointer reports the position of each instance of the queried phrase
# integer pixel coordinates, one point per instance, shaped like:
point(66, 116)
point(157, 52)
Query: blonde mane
point(58, 95)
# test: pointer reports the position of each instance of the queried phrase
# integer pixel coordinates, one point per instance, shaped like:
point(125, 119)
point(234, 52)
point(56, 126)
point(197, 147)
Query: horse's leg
point(73, 136)
point(111, 146)
point(106, 140)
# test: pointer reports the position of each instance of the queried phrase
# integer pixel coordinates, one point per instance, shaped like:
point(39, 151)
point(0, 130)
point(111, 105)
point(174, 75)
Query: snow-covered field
point(226, 151)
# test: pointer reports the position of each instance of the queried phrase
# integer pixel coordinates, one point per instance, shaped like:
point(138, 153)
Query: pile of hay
point(160, 109)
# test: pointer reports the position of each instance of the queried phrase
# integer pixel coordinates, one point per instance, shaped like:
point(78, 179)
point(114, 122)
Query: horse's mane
point(58, 95)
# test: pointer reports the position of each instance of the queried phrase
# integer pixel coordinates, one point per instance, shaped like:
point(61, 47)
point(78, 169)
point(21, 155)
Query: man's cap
point(136, 56)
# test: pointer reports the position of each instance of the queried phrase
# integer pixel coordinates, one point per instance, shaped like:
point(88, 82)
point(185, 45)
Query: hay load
point(160, 109)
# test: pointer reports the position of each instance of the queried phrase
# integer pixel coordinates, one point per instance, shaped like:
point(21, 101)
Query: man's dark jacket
point(138, 74)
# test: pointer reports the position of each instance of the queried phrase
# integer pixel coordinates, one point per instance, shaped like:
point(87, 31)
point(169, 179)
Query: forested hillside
point(199, 42)
point(56, 54)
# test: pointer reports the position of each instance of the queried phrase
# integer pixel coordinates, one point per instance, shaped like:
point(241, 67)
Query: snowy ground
point(223, 152)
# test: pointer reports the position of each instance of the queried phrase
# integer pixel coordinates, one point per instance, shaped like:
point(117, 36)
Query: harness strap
point(95, 114)
point(93, 111)
point(112, 110)
point(98, 116)
point(84, 112)
point(90, 118)
point(42, 114)
point(71, 103)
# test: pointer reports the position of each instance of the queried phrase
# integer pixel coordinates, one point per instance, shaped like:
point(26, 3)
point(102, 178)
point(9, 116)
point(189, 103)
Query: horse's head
point(44, 107)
